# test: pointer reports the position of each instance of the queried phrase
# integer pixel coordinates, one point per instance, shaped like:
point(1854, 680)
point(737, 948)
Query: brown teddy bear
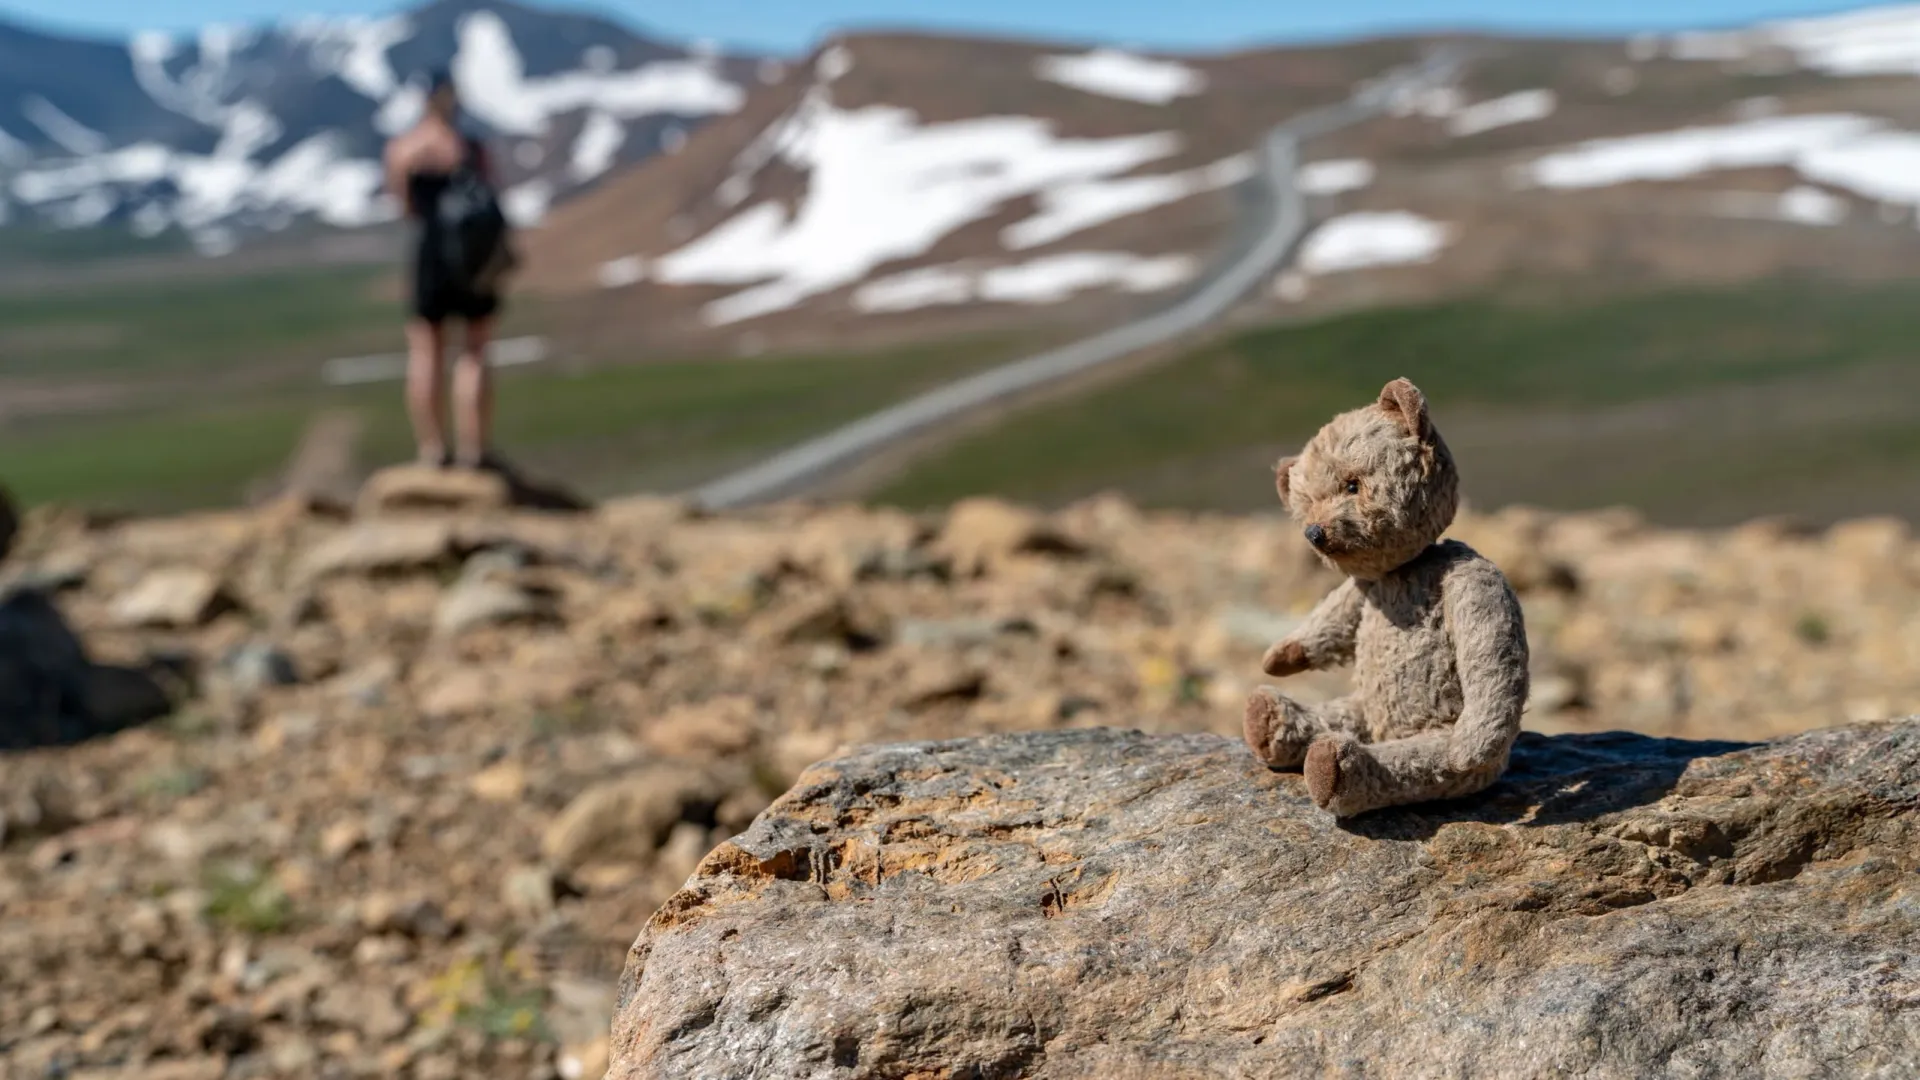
point(1432, 628)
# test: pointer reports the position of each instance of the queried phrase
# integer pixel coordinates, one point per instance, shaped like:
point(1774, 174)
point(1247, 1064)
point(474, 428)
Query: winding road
point(789, 472)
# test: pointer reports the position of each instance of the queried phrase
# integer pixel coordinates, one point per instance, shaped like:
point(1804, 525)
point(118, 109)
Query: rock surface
point(1103, 903)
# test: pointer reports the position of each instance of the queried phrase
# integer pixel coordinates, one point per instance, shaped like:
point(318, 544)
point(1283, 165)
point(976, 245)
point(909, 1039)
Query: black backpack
point(473, 229)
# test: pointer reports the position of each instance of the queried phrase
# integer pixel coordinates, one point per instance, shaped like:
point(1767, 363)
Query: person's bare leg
point(473, 393)
point(425, 346)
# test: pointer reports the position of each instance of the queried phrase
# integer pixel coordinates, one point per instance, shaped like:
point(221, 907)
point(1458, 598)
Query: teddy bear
point(1432, 628)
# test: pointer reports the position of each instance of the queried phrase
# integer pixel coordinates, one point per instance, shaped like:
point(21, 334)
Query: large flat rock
point(1105, 903)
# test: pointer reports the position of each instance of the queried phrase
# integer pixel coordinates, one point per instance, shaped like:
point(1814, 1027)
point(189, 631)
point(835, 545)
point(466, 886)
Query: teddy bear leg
point(1348, 777)
point(1279, 729)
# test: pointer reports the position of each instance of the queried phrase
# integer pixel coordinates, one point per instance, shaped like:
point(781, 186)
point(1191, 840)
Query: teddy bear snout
point(1317, 536)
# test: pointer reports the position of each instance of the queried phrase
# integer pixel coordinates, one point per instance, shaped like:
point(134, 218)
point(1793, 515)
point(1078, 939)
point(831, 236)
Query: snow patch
point(12, 150)
point(1857, 153)
point(150, 221)
point(1516, 108)
point(1334, 176)
point(594, 151)
point(929, 286)
point(1433, 102)
point(402, 110)
point(833, 65)
point(619, 273)
point(883, 187)
point(248, 129)
point(1800, 205)
point(1372, 238)
point(1671, 155)
point(1124, 75)
point(494, 85)
point(90, 209)
point(316, 177)
point(1045, 280)
point(526, 204)
point(355, 49)
point(66, 132)
point(1080, 205)
point(1873, 41)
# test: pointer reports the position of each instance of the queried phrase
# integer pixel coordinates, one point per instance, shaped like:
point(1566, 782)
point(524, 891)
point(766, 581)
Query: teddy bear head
point(1375, 487)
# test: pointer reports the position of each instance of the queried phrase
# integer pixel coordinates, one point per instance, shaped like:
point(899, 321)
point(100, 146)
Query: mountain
point(900, 185)
point(947, 180)
point(242, 128)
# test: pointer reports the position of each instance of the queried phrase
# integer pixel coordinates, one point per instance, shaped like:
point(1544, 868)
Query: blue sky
point(790, 25)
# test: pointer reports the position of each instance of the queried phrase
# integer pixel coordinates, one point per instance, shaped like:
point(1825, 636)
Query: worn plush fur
point(1433, 629)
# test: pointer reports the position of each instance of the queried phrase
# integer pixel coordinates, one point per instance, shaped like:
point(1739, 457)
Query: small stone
point(179, 598)
point(475, 603)
point(258, 666)
point(375, 547)
point(370, 1010)
point(630, 818)
point(342, 838)
point(461, 692)
point(718, 727)
point(503, 782)
point(529, 892)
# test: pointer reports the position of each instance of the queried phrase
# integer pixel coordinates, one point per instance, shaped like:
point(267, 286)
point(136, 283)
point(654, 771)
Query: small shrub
point(1812, 629)
point(245, 897)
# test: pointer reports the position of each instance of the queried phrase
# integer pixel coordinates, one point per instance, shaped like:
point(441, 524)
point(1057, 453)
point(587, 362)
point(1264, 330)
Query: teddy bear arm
point(1325, 639)
point(1490, 654)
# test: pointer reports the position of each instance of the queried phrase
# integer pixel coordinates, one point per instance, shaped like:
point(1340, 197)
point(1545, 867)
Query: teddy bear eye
point(1353, 487)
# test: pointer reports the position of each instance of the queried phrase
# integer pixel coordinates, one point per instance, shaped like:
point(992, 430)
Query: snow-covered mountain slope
point(900, 177)
point(238, 128)
point(930, 177)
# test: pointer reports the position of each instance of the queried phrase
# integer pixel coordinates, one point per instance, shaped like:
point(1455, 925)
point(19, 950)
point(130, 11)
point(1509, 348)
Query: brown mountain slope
point(911, 186)
point(959, 108)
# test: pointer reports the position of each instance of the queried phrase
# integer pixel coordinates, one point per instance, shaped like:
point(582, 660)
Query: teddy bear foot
point(1323, 772)
point(1264, 726)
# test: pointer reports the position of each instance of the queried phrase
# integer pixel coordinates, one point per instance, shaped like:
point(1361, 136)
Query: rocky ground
point(428, 765)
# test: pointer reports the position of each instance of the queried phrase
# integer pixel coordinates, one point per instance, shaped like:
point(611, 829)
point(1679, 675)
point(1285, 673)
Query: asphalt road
point(1280, 222)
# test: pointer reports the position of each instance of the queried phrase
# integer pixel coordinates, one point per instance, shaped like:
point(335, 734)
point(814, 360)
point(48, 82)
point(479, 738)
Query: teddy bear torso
point(1406, 679)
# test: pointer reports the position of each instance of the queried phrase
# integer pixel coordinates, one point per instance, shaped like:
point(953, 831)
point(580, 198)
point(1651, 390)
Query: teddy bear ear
point(1283, 477)
point(1405, 402)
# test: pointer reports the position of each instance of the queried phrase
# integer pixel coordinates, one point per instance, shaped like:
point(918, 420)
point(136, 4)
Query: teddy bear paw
point(1284, 659)
point(1262, 719)
point(1323, 771)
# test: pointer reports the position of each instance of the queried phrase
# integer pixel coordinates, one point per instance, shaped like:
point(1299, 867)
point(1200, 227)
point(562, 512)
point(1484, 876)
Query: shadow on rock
point(1557, 780)
point(528, 493)
point(51, 694)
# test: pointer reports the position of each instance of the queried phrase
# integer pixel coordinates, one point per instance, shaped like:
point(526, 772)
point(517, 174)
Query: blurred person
point(444, 179)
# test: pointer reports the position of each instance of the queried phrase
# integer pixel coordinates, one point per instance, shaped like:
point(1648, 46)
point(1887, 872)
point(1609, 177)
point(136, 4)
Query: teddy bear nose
point(1316, 535)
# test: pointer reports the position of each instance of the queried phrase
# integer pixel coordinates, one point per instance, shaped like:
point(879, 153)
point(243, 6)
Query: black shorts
point(436, 298)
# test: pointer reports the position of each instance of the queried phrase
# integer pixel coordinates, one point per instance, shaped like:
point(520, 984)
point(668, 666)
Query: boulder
point(405, 488)
point(1106, 903)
